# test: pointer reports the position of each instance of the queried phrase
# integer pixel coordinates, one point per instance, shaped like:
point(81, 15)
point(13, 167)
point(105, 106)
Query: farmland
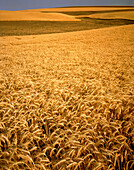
point(67, 98)
point(49, 21)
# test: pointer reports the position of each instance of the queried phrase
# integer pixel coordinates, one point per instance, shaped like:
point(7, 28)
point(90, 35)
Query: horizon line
point(69, 7)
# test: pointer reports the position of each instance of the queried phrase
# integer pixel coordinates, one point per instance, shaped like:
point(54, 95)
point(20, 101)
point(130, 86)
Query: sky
point(33, 4)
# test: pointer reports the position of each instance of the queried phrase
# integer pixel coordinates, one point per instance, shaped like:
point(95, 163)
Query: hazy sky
point(30, 4)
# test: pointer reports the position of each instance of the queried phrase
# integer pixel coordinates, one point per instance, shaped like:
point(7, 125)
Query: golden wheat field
point(55, 14)
point(67, 100)
point(86, 8)
point(34, 16)
point(113, 15)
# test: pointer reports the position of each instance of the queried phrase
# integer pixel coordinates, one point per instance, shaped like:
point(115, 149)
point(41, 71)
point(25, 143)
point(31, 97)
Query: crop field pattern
point(38, 26)
point(67, 99)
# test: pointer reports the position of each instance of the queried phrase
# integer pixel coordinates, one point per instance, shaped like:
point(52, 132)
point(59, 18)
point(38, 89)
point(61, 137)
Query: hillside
point(67, 100)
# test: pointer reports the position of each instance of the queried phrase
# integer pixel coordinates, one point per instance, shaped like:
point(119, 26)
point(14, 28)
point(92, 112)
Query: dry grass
point(34, 16)
point(67, 100)
point(115, 15)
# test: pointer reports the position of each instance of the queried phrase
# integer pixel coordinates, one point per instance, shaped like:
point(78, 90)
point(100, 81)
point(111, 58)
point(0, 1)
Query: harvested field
point(67, 100)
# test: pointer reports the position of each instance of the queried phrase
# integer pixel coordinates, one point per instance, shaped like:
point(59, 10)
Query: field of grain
point(34, 16)
point(85, 8)
point(114, 15)
point(59, 20)
point(67, 100)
